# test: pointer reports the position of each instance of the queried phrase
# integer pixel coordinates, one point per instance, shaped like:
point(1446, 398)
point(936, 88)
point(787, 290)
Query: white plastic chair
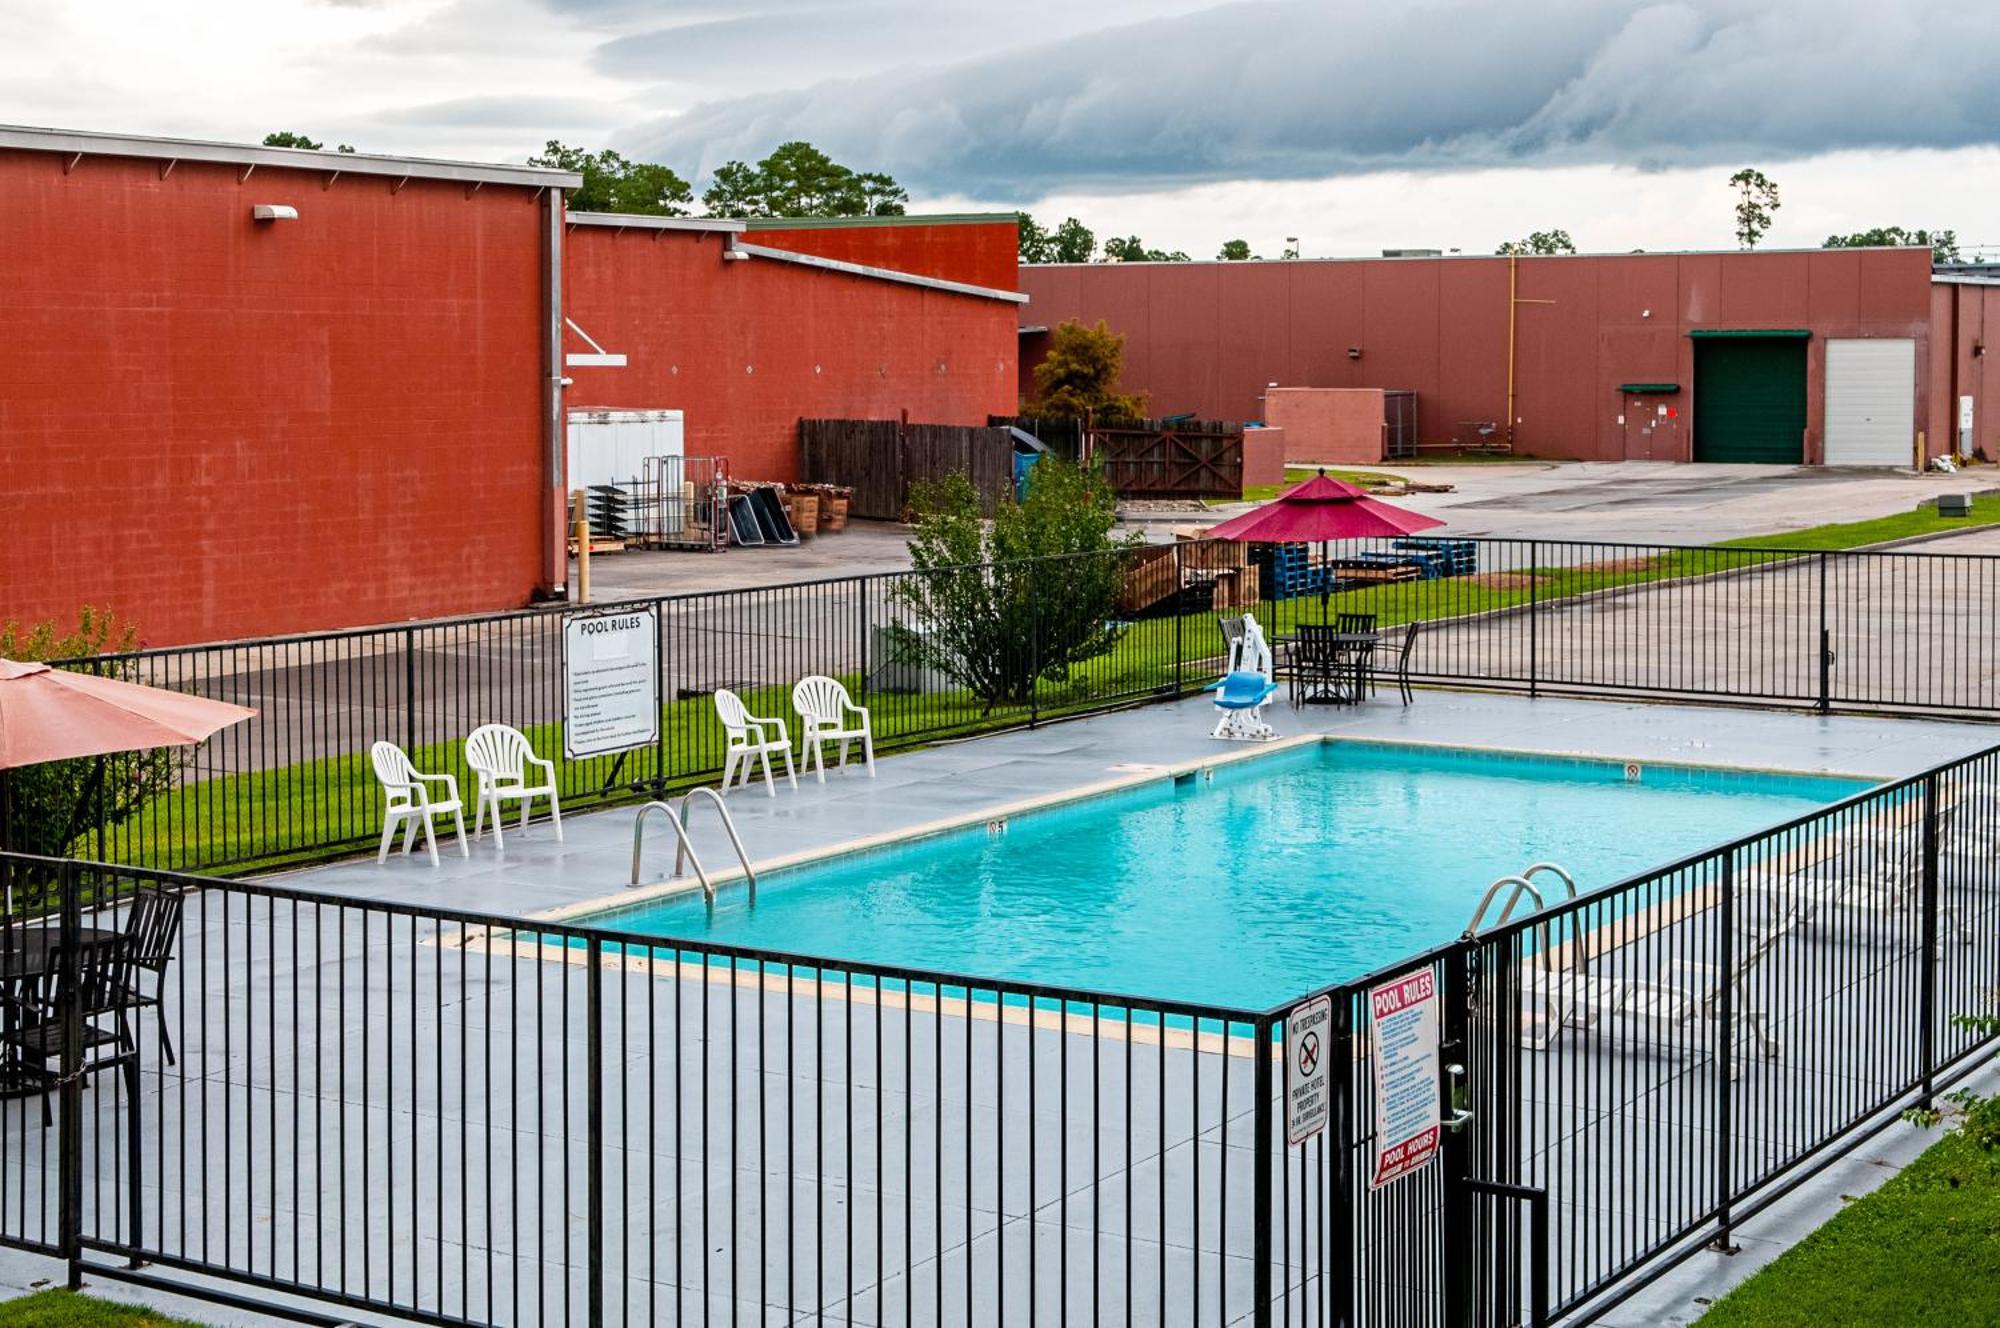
point(500, 756)
point(751, 737)
point(407, 801)
point(826, 708)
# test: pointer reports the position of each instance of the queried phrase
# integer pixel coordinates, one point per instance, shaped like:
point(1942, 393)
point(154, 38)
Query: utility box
point(1954, 504)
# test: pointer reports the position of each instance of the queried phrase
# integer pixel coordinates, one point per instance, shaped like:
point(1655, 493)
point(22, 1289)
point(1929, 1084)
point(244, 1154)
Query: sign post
point(611, 681)
point(1407, 1122)
point(1308, 1048)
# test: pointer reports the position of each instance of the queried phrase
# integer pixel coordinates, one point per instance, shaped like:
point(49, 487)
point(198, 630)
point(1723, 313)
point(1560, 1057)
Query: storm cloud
point(1287, 90)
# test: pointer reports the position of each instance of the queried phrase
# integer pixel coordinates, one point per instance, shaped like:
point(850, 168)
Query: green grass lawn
point(64, 1309)
point(271, 817)
point(1923, 1250)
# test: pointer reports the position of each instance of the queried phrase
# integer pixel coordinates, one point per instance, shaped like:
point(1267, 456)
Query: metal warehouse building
point(1835, 357)
point(256, 390)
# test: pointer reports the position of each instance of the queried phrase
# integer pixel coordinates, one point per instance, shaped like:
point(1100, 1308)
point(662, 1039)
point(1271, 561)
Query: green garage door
point(1750, 397)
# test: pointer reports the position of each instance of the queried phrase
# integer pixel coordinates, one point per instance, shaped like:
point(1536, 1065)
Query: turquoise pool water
point(1274, 876)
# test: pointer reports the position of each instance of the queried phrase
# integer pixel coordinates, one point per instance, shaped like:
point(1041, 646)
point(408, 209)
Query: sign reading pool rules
point(1407, 1119)
point(1308, 1048)
point(611, 682)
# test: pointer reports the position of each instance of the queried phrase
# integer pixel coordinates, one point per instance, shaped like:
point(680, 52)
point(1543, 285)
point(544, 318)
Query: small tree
point(798, 180)
point(1235, 251)
point(1540, 242)
point(990, 611)
point(611, 183)
point(1071, 242)
point(1079, 376)
point(1756, 200)
point(1131, 249)
point(1943, 244)
point(56, 802)
point(285, 138)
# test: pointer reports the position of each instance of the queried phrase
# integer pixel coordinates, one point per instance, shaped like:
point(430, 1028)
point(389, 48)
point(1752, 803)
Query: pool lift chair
point(1245, 687)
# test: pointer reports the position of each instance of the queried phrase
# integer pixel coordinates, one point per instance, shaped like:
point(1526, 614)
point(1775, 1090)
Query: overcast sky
point(1353, 126)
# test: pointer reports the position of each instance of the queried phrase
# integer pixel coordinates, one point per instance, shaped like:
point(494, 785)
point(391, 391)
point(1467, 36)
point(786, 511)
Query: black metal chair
point(1403, 662)
point(1314, 664)
point(1354, 658)
point(103, 982)
point(152, 927)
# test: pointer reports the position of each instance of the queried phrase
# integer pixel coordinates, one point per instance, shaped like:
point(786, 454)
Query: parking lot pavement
point(1629, 502)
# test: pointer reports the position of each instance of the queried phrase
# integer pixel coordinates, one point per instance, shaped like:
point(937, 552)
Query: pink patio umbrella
point(1319, 511)
point(57, 715)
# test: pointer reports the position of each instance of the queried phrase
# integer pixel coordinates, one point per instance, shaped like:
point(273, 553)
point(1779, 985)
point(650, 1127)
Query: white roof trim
point(89, 143)
point(881, 273)
point(1969, 279)
point(641, 221)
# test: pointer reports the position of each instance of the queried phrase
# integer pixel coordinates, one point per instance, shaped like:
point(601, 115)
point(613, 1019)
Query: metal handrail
point(1522, 885)
point(728, 825)
point(1556, 869)
point(680, 834)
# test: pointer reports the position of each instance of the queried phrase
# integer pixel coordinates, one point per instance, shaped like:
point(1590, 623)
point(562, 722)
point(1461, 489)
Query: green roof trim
point(1649, 387)
point(830, 223)
point(1718, 332)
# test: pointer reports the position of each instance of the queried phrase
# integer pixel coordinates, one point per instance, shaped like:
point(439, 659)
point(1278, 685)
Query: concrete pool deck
point(979, 778)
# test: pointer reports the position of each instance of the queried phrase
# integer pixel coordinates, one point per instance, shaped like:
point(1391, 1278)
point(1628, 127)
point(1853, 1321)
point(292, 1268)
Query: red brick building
point(252, 390)
point(749, 328)
point(1835, 356)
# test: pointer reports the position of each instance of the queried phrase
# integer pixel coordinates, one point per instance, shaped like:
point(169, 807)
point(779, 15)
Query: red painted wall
point(749, 348)
point(1966, 363)
point(223, 428)
point(1210, 337)
point(1329, 424)
point(981, 253)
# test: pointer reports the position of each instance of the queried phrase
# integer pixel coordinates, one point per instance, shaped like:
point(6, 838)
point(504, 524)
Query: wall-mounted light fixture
point(1354, 352)
point(274, 212)
point(1978, 348)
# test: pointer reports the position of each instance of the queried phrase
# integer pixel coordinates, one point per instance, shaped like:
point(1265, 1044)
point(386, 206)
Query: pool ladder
point(684, 854)
point(1516, 887)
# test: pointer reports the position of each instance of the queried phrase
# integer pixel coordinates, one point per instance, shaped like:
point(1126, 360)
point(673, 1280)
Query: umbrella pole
point(1325, 576)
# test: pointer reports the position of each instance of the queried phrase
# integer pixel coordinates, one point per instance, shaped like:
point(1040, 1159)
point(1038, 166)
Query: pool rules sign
point(1405, 1012)
point(611, 681)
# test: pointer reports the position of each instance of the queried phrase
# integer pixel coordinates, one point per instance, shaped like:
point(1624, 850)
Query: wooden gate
point(1171, 458)
point(881, 459)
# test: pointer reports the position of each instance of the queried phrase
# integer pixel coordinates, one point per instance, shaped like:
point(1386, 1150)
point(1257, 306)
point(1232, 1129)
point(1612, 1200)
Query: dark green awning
point(1649, 387)
point(1750, 332)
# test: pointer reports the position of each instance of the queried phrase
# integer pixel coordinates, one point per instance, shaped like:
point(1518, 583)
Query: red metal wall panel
point(748, 348)
point(223, 428)
point(1209, 337)
point(981, 253)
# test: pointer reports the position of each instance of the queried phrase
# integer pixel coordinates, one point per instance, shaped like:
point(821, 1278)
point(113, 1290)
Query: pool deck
point(981, 778)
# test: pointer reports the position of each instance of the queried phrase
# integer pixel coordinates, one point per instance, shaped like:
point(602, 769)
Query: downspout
point(555, 550)
point(1513, 308)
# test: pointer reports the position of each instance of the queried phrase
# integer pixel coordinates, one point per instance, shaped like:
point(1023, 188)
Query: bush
point(991, 621)
point(1079, 377)
point(55, 804)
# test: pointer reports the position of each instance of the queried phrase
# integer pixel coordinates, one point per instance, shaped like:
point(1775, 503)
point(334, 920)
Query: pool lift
point(684, 854)
point(1246, 686)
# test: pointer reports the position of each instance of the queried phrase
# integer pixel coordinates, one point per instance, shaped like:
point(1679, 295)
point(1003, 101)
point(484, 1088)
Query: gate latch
point(1457, 1095)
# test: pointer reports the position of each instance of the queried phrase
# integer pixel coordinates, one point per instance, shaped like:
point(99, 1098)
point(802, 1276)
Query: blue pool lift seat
point(1245, 687)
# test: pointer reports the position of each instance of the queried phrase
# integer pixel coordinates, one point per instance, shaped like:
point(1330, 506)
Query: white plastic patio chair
point(751, 737)
point(407, 801)
point(500, 757)
point(830, 715)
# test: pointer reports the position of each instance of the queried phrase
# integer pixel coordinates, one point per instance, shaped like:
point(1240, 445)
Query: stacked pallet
point(1441, 557)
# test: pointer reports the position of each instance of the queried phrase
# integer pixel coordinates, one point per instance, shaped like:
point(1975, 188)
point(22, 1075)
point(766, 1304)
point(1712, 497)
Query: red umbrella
point(1318, 511)
point(54, 715)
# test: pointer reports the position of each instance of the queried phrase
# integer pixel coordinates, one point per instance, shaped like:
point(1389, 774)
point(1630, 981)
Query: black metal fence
point(453, 1117)
point(1023, 643)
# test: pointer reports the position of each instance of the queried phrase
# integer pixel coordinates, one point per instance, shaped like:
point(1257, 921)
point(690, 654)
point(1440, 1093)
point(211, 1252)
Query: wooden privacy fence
point(881, 459)
point(1162, 458)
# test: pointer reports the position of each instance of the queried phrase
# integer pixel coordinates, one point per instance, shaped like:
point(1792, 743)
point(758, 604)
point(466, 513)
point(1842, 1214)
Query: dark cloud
point(1304, 90)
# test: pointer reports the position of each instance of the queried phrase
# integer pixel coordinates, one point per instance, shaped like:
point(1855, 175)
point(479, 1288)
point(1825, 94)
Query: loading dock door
point(1871, 393)
point(1750, 398)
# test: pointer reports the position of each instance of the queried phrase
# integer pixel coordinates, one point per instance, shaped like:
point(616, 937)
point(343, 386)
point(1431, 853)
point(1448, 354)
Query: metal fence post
point(1825, 645)
point(1725, 1040)
point(1034, 651)
point(1180, 573)
point(1341, 1261)
point(69, 1147)
point(410, 690)
point(1460, 1257)
point(594, 1115)
point(1263, 1159)
point(660, 679)
point(1534, 668)
point(1927, 984)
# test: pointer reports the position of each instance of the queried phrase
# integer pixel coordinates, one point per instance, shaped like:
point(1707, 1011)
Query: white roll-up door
point(1871, 394)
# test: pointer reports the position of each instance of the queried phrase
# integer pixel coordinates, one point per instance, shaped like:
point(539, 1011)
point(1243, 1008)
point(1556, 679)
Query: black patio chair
point(35, 1035)
point(1403, 662)
point(1314, 665)
point(1354, 658)
point(152, 927)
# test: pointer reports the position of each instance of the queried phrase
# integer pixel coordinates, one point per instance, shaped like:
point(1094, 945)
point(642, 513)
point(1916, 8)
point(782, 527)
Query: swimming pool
point(1246, 884)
